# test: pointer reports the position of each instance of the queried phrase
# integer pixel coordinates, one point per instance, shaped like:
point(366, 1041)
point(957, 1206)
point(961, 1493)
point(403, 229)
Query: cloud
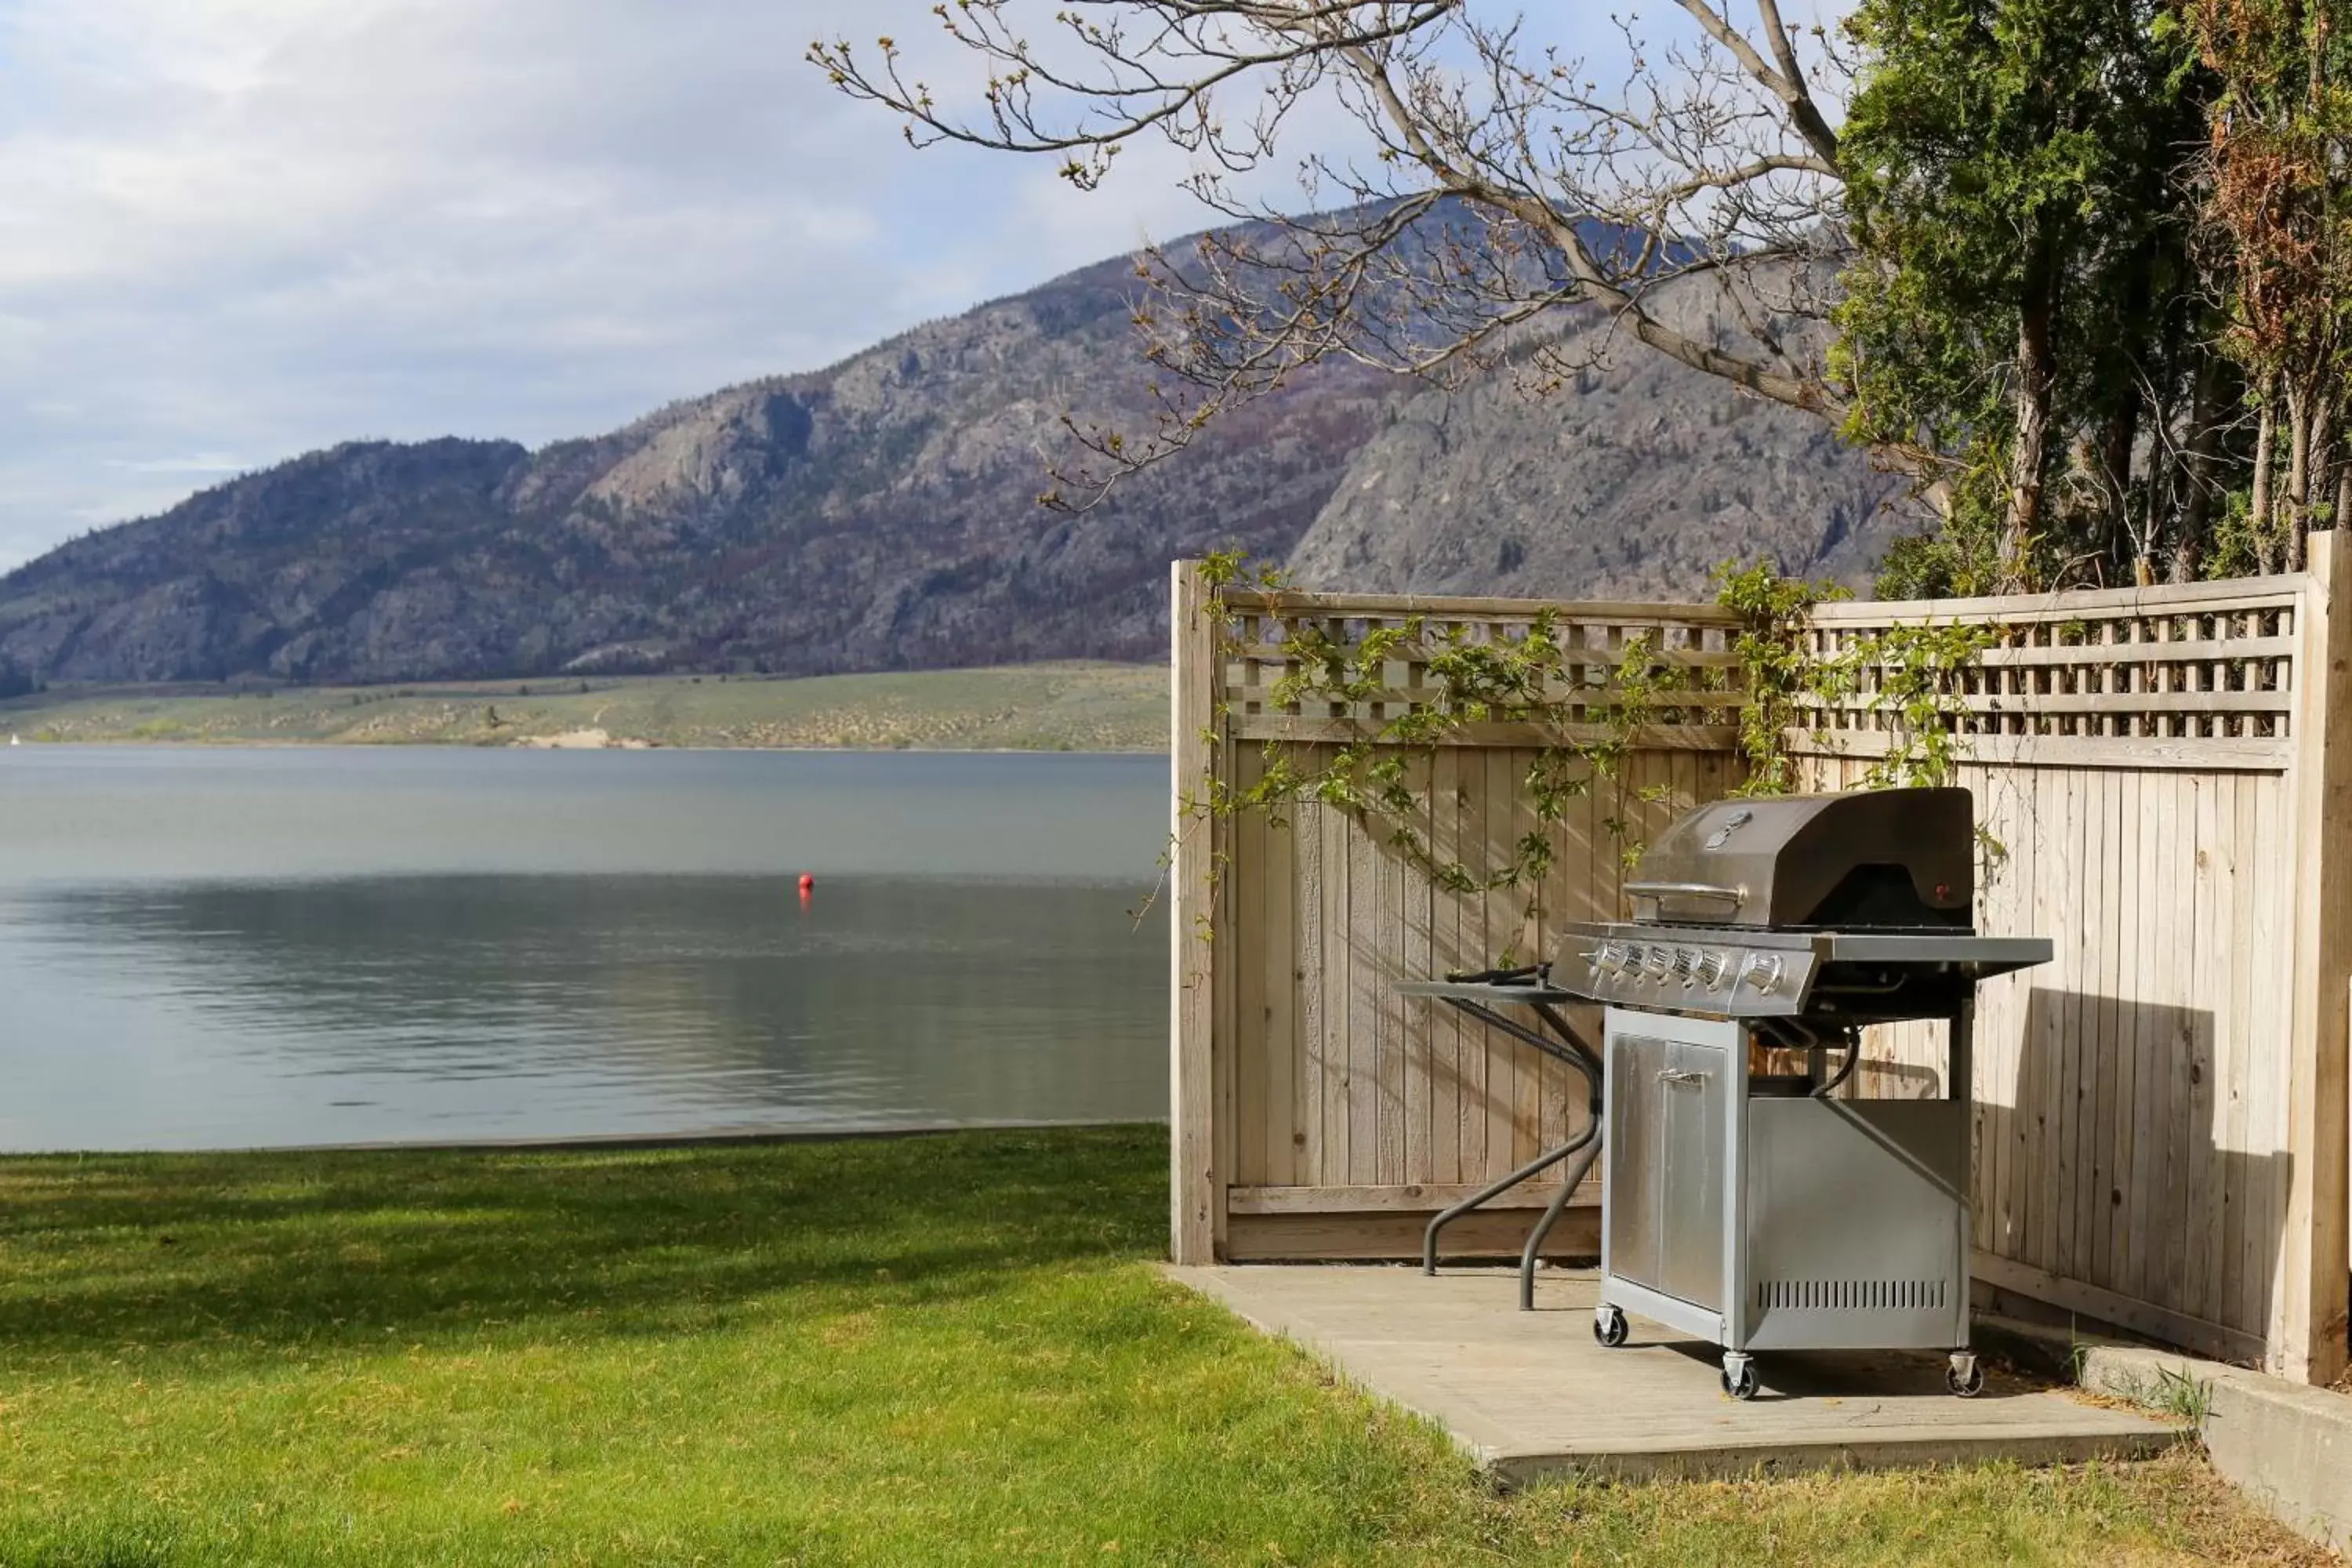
point(201, 463)
point(258, 226)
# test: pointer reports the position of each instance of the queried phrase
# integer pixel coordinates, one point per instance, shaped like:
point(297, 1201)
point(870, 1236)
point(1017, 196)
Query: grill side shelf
point(1985, 954)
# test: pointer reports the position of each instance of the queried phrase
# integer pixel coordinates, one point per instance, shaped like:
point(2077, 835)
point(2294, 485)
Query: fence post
point(2307, 1339)
point(1194, 1189)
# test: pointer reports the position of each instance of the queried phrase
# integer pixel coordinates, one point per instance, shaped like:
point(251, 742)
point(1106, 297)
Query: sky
point(236, 230)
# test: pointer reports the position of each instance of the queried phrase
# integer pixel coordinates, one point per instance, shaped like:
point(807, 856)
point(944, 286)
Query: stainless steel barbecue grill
point(1754, 1195)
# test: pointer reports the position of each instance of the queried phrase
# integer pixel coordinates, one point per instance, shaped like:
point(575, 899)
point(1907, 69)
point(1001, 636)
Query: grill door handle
point(1680, 1075)
point(1733, 896)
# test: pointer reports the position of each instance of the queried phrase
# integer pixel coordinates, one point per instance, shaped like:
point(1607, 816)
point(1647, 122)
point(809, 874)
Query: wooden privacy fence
point(2166, 778)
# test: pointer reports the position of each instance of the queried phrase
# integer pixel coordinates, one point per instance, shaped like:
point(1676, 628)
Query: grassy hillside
point(1048, 706)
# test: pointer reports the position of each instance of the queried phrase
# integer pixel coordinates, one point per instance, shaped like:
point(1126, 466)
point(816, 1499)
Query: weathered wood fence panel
point(1352, 1113)
point(2167, 773)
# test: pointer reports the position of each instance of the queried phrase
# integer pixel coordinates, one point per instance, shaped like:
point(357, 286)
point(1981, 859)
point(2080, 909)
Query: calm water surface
point(208, 948)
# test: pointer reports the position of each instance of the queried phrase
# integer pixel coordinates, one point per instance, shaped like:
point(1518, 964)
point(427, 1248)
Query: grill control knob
point(1763, 973)
point(1658, 964)
point(1712, 967)
point(1685, 965)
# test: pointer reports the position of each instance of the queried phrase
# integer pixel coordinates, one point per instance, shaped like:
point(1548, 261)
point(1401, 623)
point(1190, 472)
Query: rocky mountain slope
point(882, 514)
point(1633, 481)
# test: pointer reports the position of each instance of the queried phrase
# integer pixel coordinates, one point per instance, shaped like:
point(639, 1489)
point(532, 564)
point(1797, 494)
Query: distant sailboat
point(14, 742)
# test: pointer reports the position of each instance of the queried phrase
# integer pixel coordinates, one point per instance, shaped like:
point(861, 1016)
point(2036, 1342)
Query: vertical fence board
point(1416, 950)
point(2135, 941)
point(2309, 1335)
point(1527, 943)
point(1335, 977)
point(2234, 1022)
point(1389, 1097)
point(1248, 883)
point(1278, 989)
point(1314, 1061)
point(2208, 978)
point(1358, 963)
point(1500, 925)
point(1445, 1024)
point(2264, 1041)
point(1195, 1197)
point(2179, 1047)
point(1478, 1046)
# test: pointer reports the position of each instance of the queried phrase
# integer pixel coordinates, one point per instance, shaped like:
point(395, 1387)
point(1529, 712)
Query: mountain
point(1632, 481)
point(882, 514)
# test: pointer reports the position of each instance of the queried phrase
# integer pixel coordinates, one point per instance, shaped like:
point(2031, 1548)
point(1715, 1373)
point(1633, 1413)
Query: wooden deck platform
point(1532, 1395)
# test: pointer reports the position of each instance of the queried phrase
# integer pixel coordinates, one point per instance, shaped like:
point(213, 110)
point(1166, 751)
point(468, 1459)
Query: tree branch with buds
point(1501, 191)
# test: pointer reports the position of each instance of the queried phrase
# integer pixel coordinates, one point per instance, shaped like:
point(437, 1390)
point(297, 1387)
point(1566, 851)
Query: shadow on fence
point(2124, 1162)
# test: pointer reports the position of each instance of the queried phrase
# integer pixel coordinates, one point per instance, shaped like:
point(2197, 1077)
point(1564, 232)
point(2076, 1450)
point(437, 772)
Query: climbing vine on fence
point(1909, 673)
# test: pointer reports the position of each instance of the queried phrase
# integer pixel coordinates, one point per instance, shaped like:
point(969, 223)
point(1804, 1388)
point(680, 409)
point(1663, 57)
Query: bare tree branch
point(1502, 186)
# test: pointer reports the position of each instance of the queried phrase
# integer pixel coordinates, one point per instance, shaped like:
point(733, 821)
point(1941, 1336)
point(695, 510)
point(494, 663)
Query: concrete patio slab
point(1531, 1394)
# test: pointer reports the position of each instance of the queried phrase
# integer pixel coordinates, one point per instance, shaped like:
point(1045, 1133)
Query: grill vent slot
point(1851, 1295)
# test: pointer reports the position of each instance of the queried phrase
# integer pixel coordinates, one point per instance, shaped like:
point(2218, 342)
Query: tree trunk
point(2259, 518)
point(2344, 492)
point(2028, 458)
point(2204, 443)
point(2157, 503)
point(2322, 434)
point(2302, 408)
point(2115, 444)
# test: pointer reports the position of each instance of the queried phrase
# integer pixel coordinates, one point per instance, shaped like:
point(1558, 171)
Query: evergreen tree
point(2020, 300)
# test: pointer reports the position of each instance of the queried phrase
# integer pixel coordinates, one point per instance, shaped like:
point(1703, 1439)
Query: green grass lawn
point(925, 1350)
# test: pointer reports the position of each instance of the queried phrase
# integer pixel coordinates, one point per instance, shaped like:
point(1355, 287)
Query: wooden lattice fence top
point(1270, 637)
point(2210, 667)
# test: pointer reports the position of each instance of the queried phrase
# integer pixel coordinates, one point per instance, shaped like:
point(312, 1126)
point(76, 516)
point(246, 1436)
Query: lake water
point(251, 947)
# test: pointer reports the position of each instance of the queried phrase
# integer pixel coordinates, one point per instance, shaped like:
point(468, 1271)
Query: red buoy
point(808, 883)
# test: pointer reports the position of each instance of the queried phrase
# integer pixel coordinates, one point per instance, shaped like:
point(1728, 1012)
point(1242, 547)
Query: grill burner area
point(1846, 978)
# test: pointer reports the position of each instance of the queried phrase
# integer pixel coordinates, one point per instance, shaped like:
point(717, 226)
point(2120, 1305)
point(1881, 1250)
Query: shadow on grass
point(261, 1252)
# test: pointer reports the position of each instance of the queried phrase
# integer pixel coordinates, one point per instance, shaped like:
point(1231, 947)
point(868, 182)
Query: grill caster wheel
point(1608, 1326)
point(1964, 1376)
point(1738, 1375)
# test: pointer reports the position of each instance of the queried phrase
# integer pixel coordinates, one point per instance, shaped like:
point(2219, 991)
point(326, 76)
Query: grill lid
point(1871, 859)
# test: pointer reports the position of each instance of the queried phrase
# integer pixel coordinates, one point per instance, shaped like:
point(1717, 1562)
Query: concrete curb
point(1743, 1460)
point(2287, 1447)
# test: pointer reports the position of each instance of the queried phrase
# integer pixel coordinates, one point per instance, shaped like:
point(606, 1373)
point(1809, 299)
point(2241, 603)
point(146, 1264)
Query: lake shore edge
point(746, 1137)
point(1052, 708)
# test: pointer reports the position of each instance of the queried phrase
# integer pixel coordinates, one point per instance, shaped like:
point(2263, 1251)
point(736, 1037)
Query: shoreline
point(1017, 708)
point(234, 743)
point(607, 1142)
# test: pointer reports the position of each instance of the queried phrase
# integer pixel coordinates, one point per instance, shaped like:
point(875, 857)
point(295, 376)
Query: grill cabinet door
point(1635, 1138)
point(1695, 1089)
